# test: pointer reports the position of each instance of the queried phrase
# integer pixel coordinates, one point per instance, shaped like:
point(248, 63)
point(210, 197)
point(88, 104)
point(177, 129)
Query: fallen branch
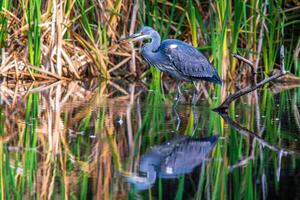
point(241, 163)
point(255, 136)
point(249, 89)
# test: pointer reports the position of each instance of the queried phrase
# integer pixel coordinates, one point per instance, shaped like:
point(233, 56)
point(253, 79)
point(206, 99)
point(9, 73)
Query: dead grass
point(68, 50)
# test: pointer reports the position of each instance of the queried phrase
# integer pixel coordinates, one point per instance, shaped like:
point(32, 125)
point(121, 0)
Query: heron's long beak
point(132, 38)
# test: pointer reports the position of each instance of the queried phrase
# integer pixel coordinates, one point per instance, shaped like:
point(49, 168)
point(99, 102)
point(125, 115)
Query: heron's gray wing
point(187, 155)
point(187, 60)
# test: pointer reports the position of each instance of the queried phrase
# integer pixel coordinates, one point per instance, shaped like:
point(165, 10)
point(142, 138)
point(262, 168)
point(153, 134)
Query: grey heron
point(177, 58)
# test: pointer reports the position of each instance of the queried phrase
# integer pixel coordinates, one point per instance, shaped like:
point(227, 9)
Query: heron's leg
point(195, 94)
point(195, 119)
point(178, 94)
point(177, 118)
point(194, 101)
point(176, 100)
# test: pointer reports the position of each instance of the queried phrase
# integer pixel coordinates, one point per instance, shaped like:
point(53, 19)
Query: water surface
point(83, 140)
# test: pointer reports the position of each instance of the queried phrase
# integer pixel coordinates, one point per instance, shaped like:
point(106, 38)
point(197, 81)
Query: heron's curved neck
point(151, 175)
point(154, 44)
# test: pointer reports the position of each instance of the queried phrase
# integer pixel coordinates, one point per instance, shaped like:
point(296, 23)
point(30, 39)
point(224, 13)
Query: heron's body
point(181, 60)
point(178, 156)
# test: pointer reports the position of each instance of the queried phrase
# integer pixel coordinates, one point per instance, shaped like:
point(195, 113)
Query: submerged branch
point(247, 90)
point(255, 136)
point(241, 163)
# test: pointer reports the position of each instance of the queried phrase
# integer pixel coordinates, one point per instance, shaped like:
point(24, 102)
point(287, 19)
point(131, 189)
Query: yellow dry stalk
point(96, 55)
point(114, 6)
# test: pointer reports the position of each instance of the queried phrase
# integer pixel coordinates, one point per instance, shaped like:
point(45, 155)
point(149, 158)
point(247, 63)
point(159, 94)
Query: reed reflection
point(87, 134)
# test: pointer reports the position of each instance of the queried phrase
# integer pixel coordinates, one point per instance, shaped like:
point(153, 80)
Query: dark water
point(112, 141)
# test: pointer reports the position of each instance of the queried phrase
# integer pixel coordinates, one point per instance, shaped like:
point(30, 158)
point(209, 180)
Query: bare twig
point(241, 163)
point(295, 110)
point(119, 65)
point(282, 60)
point(244, 60)
point(46, 73)
point(2, 56)
point(118, 87)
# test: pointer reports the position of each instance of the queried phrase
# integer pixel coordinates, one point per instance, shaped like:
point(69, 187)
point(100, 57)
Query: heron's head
point(141, 182)
point(144, 32)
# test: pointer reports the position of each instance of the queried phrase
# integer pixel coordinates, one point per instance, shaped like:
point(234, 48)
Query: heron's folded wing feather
point(188, 60)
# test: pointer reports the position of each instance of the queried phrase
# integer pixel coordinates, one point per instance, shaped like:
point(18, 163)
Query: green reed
point(154, 117)
point(226, 28)
point(85, 20)
point(29, 140)
point(273, 37)
point(229, 24)
point(4, 5)
point(218, 28)
point(236, 21)
point(33, 10)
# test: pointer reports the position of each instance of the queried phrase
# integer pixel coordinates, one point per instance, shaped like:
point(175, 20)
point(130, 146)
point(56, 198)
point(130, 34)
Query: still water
point(121, 141)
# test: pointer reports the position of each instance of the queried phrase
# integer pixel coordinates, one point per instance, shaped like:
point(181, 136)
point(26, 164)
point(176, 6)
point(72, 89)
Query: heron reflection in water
point(176, 58)
point(172, 159)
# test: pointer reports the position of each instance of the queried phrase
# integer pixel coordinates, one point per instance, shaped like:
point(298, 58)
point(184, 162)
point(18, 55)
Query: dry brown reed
point(68, 50)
